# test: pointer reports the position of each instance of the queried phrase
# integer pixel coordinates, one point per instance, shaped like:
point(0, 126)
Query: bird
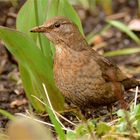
point(84, 77)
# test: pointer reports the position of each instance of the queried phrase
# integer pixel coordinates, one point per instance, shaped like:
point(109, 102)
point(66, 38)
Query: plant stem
point(37, 23)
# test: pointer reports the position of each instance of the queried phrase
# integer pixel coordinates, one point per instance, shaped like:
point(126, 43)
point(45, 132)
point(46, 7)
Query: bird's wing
point(110, 71)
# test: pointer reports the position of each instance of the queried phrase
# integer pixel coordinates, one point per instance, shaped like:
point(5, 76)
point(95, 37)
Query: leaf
point(121, 113)
point(122, 126)
point(7, 114)
point(32, 59)
point(52, 9)
point(125, 51)
point(34, 19)
point(71, 135)
point(27, 18)
point(102, 128)
point(136, 111)
point(57, 125)
point(29, 88)
point(138, 126)
point(27, 11)
point(122, 27)
point(81, 130)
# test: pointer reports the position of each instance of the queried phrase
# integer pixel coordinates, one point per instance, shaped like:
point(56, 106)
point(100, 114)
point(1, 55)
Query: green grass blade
point(7, 114)
point(122, 27)
point(53, 117)
point(58, 128)
point(125, 51)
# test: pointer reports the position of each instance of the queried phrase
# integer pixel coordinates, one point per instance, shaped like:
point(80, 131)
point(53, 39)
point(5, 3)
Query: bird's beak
point(39, 29)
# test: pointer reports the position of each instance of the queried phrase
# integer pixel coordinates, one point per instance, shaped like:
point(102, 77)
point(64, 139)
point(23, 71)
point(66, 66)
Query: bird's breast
point(67, 65)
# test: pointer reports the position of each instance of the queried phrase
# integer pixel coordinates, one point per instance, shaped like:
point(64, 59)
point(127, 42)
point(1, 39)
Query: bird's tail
point(130, 83)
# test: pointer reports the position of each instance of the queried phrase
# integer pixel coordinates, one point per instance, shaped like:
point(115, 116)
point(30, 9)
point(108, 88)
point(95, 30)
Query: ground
point(12, 95)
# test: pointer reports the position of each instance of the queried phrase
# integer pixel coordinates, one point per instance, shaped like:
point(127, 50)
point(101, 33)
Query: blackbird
point(84, 77)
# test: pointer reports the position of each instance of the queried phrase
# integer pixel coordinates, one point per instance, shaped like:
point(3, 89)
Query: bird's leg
point(80, 115)
point(109, 108)
point(118, 91)
point(123, 103)
point(118, 87)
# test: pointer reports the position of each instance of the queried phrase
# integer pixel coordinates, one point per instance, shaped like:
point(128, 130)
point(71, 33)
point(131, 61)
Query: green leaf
point(122, 126)
point(138, 126)
point(32, 59)
point(27, 17)
point(122, 27)
point(121, 113)
point(71, 135)
point(58, 128)
point(81, 130)
point(52, 9)
point(102, 128)
point(7, 114)
point(27, 11)
point(29, 88)
point(125, 51)
point(85, 129)
point(35, 17)
point(136, 112)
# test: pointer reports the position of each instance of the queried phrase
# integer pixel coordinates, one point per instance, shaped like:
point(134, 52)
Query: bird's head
point(59, 29)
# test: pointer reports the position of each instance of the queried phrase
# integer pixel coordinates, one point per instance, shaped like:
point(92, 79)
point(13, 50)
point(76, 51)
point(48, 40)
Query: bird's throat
point(59, 49)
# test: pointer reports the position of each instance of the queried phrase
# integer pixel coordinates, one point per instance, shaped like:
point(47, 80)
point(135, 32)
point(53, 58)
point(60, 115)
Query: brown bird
point(84, 77)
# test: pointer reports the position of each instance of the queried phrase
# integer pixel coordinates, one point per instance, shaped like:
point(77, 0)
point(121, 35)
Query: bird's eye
point(57, 25)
